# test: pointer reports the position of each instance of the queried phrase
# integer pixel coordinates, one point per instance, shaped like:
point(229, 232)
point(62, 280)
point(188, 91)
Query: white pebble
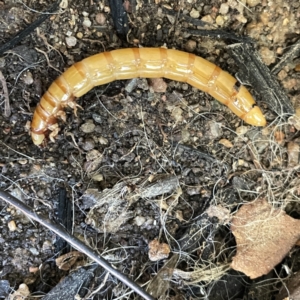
point(71, 41)
point(87, 22)
point(224, 8)
point(195, 13)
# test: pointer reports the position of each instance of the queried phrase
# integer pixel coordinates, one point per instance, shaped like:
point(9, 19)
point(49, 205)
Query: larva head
point(37, 138)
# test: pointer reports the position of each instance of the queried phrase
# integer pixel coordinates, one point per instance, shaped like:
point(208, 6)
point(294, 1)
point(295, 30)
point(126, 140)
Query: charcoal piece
point(71, 285)
point(258, 75)
point(119, 16)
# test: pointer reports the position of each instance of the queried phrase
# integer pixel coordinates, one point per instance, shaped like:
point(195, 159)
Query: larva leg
point(144, 62)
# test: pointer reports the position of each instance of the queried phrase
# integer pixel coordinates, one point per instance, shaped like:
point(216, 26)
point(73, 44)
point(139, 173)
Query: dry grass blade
point(206, 273)
point(7, 109)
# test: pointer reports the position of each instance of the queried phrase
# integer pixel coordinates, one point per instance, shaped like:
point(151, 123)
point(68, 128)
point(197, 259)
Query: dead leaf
point(66, 261)
point(161, 282)
point(264, 235)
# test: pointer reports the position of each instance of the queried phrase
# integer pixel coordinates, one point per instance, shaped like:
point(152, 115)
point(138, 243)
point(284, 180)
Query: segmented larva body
point(129, 63)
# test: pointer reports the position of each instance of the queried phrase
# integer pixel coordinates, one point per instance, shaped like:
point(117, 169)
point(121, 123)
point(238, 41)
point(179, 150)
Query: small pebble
point(208, 19)
point(87, 127)
point(87, 22)
point(195, 14)
point(253, 3)
point(102, 140)
point(34, 251)
point(97, 118)
point(88, 145)
point(224, 8)
point(101, 18)
point(241, 130)
point(268, 56)
point(47, 246)
point(64, 4)
point(190, 46)
point(97, 177)
point(220, 21)
point(71, 41)
point(158, 85)
point(282, 74)
point(139, 221)
point(28, 79)
point(241, 19)
point(171, 19)
point(12, 225)
point(79, 35)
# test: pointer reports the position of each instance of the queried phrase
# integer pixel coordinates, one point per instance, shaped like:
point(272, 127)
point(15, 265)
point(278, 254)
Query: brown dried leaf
point(264, 235)
point(161, 282)
point(66, 261)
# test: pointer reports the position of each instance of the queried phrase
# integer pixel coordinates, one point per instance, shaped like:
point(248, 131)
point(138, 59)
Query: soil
point(129, 136)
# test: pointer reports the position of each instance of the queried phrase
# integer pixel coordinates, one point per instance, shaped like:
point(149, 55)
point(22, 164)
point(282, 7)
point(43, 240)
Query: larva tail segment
point(129, 63)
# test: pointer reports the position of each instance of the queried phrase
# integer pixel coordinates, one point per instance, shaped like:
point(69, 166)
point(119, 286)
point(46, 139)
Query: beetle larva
point(129, 63)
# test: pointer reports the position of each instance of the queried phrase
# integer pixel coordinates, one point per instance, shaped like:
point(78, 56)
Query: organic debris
point(110, 218)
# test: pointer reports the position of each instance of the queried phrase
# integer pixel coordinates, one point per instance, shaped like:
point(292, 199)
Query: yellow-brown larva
point(129, 63)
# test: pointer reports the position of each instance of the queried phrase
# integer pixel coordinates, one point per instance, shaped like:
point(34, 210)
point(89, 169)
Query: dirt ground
point(143, 159)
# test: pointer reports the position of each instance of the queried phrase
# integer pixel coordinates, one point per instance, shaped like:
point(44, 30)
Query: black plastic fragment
point(258, 75)
point(64, 217)
point(119, 16)
point(23, 33)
